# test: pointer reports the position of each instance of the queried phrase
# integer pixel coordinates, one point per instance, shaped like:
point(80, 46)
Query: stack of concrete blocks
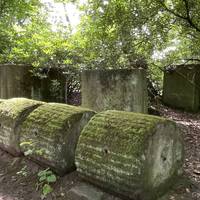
point(181, 87)
point(48, 130)
point(134, 155)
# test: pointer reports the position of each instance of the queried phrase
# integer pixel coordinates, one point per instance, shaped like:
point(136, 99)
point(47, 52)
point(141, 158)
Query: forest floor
point(18, 176)
point(189, 186)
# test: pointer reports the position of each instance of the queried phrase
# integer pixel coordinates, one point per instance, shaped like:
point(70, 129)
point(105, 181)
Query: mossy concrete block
point(181, 87)
point(132, 154)
point(12, 114)
point(50, 134)
point(122, 89)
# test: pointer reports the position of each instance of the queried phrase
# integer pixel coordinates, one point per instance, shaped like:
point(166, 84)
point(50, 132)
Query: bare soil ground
point(22, 186)
point(188, 188)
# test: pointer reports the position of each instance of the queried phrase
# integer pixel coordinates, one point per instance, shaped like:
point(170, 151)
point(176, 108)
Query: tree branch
point(187, 18)
point(2, 8)
point(171, 11)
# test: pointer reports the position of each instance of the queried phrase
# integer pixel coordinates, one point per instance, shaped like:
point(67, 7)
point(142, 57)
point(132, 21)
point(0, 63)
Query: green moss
point(12, 114)
point(122, 131)
point(51, 132)
point(112, 146)
point(12, 108)
point(50, 118)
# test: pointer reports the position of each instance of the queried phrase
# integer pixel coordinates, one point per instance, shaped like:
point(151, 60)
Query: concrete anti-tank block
point(121, 89)
point(50, 134)
point(12, 114)
point(136, 155)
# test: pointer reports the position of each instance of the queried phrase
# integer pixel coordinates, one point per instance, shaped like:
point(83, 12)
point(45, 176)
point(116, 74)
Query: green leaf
point(42, 178)
point(43, 172)
point(51, 179)
point(46, 189)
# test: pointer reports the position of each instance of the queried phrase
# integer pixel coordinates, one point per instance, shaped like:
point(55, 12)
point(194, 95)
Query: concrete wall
point(51, 88)
point(181, 87)
point(123, 89)
point(15, 81)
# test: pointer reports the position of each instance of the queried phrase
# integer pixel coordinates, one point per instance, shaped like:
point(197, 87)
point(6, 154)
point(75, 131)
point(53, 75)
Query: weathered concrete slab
point(135, 155)
point(12, 114)
point(85, 191)
point(15, 81)
point(124, 89)
point(181, 87)
point(50, 134)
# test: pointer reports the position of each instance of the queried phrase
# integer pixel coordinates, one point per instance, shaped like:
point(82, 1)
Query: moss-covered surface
point(50, 133)
point(12, 108)
point(114, 152)
point(12, 114)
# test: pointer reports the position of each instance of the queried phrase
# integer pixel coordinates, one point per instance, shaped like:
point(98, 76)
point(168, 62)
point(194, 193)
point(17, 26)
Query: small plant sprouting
point(46, 177)
point(23, 171)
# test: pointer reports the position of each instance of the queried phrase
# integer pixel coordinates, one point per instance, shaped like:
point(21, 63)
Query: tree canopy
point(111, 34)
point(154, 22)
point(122, 33)
point(28, 37)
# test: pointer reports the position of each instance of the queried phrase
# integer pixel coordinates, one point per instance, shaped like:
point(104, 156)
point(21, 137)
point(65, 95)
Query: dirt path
point(189, 186)
point(18, 180)
point(18, 176)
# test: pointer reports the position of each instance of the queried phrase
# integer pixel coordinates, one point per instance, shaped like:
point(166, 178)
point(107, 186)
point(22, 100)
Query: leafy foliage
point(112, 34)
point(30, 38)
point(122, 33)
point(46, 177)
